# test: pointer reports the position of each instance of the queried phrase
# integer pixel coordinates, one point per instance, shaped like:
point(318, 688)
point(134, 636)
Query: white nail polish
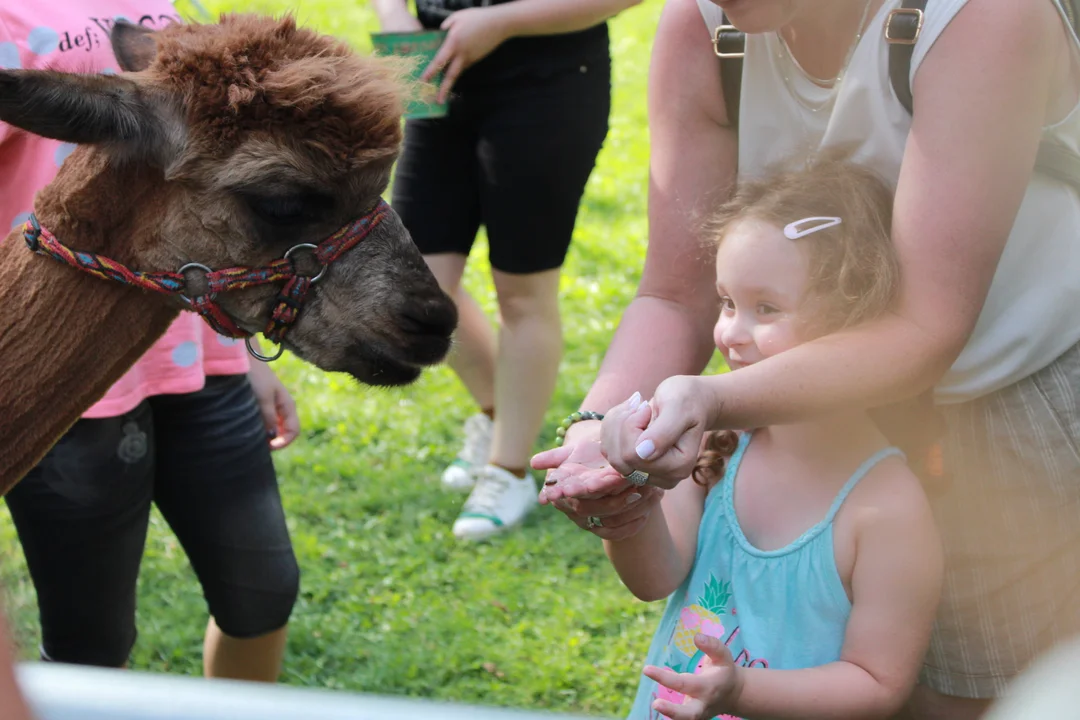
point(645, 449)
point(632, 498)
point(634, 401)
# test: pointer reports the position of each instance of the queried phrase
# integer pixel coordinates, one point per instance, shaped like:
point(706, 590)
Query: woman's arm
point(692, 162)
point(553, 17)
point(967, 163)
point(654, 562)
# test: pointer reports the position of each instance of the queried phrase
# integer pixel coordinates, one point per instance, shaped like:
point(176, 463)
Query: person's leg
point(257, 658)
point(530, 348)
point(81, 515)
point(539, 139)
point(217, 489)
point(473, 354)
point(1009, 514)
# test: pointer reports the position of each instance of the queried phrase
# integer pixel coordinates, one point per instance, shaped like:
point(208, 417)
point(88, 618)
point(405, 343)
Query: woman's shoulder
point(1018, 25)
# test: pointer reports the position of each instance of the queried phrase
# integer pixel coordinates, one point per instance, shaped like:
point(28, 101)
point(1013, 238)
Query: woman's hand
point(577, 468)
point(276, 405)
point(615, 517)
point(664, 441)
point(472, 34)
point(713, 691)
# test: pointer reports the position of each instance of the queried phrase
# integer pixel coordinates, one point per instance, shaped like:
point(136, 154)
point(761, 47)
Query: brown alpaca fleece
point(294, 80)
point(69, 336)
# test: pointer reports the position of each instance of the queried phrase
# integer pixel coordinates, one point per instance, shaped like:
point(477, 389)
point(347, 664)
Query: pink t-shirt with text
point(73, 36)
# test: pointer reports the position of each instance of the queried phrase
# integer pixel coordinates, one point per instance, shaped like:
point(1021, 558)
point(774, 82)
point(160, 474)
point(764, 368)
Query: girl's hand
point(472, 34)
point(620, 516)
point(713, 691)
point(276, 405)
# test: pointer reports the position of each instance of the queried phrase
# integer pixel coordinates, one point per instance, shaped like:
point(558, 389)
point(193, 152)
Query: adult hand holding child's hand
point(665, 440)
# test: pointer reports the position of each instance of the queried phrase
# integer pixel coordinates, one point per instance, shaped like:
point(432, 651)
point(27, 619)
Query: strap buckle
point(722, 37)
point(899, 32)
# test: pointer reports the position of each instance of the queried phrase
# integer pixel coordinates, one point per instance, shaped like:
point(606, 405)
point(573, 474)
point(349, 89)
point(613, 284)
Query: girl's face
point(759, 16)
point(761, 278)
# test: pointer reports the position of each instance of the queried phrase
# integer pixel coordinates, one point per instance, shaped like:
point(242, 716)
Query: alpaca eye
point(288, 209)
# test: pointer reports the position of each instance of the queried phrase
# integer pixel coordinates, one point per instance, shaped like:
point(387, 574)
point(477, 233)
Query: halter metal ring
point(189, 266)
point(264, 358)
point(308, 246)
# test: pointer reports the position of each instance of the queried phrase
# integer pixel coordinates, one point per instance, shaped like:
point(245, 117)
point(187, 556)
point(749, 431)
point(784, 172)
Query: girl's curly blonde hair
point(854, 273)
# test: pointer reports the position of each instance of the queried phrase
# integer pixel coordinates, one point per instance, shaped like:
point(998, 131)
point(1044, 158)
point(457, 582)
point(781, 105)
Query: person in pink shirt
point(189, 428)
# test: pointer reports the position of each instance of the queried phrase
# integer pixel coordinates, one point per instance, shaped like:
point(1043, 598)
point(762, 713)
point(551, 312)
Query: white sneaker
point(498, 503)
point(461, 473)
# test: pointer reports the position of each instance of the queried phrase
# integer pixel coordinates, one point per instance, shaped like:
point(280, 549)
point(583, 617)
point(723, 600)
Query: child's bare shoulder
point(889, 496)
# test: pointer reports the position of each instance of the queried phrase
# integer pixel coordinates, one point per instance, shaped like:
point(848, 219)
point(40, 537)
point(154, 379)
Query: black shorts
point(511, 155)
point(82, 516)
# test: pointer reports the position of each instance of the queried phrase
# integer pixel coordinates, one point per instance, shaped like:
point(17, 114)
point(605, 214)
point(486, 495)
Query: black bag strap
point(902, 28)
point(729, 44)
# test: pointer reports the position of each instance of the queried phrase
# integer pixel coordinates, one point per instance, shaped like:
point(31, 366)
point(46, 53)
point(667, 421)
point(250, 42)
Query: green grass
point(390, 602)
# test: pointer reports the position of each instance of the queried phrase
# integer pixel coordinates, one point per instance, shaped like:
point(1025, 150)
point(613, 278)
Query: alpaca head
point(253, 136)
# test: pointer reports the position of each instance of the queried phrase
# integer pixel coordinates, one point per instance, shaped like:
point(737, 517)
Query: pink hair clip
point(798, 229)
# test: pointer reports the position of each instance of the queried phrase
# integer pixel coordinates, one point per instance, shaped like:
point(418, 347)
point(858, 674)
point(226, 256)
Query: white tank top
point(1032, 312)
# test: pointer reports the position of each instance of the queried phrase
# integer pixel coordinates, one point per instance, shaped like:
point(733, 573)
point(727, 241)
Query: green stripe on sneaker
point(482, 516)
point(461, 463)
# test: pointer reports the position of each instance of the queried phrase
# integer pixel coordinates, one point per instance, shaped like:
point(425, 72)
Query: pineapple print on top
point(706, 616)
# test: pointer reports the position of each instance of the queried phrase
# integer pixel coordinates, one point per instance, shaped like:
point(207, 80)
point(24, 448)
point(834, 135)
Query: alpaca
point(221, 145)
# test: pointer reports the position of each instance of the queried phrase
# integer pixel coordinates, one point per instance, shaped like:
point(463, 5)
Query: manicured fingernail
point(645, 449)
point(634, 401)
point(632, 498)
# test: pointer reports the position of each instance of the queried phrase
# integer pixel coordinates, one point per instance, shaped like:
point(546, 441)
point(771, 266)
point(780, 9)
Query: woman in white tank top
point(988, 317)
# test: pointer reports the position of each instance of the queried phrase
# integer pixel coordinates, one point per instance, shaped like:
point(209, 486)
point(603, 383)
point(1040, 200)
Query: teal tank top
point(784, 609)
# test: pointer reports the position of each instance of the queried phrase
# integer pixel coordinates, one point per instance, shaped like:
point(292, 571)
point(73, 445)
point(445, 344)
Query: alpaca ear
point(78, 108)
point(133, 46)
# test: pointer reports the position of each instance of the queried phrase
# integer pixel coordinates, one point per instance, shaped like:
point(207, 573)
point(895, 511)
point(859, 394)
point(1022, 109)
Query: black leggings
point(82, 516)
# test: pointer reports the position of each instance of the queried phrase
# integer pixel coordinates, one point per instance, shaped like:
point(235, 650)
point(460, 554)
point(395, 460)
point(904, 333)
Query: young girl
point(802, 564)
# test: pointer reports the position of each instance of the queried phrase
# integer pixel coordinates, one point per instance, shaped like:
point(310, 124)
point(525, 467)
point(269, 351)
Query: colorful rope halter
point(287, 306)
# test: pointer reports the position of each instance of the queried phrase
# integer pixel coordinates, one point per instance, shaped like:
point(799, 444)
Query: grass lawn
point(390, 602)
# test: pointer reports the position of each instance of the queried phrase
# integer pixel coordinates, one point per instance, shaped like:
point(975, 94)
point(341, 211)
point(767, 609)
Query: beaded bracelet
point(560, 432)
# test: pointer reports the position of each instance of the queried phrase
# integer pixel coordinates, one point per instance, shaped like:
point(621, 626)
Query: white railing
point(67, 692)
